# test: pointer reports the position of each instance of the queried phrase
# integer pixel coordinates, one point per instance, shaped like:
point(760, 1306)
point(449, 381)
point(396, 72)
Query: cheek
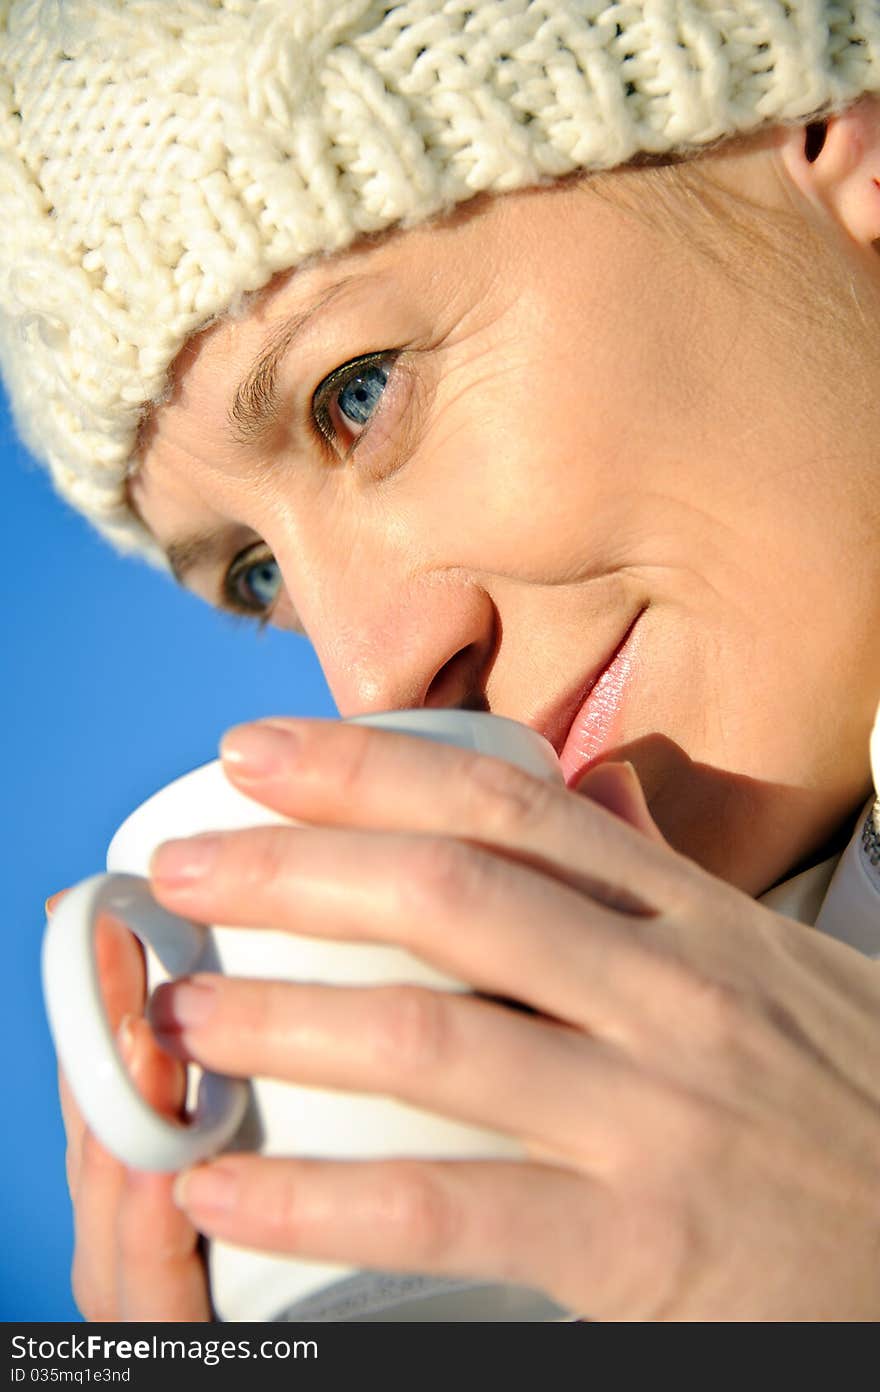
point(536, 471)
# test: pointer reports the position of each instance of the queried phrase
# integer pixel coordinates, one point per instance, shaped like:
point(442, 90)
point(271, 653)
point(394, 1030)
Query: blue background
point(114, 682)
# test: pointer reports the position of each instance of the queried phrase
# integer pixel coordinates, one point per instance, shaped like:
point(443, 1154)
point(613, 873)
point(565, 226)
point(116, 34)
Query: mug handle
point(112, 1106)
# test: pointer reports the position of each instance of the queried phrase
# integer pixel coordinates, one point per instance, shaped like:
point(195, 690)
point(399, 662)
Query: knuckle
point(708, 1008)
point(282, 1213)
point(718, 1010)
point(260, 1020)
point(352, 760)
point(97, 1165)
point(504, 800)
point(422, 1211)
point(144, 1237)
point(412, 1030)
point(672, 1248)
point(703, 1140)
point(130, 1240)
point(696, 899)
point(660, 1249)
point(262, 863)
point(442, 873)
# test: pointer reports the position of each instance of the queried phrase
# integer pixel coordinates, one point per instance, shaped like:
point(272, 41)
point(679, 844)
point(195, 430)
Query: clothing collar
point(801, 897)
point(841, 895)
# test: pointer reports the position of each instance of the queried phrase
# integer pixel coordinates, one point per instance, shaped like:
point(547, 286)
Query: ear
point(835, 163)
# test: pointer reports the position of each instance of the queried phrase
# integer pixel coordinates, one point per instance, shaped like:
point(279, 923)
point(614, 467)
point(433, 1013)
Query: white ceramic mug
point(264, 1115)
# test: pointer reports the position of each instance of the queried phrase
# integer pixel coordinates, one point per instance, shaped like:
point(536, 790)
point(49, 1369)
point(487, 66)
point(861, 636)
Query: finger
point(120, 959)
point(101, 1181)
point(122, 976)
point(121, 968)
point(351, 775)
point(162, 1275)
point(486, 920)
point(53, 901)
point(160, 1271)
point(74, 1129)
point(581, 1104)
point(97, 1189)
point(74, 1126)
point(513, 1222)
point(110, 1202)
point(617, 788)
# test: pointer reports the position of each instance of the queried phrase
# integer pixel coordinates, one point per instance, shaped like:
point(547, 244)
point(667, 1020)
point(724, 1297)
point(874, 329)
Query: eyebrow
point(187, 552)
point(251, 416)
point(195, 549)
point(255, 408)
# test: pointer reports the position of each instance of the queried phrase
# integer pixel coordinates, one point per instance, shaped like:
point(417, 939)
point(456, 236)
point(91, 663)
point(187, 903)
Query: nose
point(425, 641)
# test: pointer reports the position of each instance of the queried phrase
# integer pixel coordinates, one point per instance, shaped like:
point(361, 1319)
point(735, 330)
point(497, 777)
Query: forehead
point(199, 378)
point(188, 438)
point(226, 367)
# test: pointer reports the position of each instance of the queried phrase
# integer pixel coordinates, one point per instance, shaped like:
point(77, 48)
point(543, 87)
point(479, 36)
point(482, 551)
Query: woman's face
point(567, 429)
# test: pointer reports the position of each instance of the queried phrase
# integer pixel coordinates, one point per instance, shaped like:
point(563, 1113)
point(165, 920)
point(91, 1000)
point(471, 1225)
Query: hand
point(136, 1254)
point(697, 1089)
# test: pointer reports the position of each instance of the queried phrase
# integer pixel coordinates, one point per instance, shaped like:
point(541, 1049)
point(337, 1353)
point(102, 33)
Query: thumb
point(616, 787)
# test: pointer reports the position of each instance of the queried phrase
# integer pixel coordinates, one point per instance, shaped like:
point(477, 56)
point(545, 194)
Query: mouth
point(581, 726)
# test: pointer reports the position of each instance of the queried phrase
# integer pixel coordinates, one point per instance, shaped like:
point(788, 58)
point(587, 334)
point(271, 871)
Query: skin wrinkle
point(253, 413)
point(603, 396)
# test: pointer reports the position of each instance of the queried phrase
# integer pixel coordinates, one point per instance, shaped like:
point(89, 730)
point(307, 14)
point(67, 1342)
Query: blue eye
point(254, 581)
point(358, 398)
point(349, 397)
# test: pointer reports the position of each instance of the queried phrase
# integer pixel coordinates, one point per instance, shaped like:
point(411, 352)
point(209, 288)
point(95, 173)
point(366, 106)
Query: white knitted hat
point(160, 158)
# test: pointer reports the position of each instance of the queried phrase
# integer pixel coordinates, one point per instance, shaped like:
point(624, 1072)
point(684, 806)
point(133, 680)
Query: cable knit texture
point(161, 158)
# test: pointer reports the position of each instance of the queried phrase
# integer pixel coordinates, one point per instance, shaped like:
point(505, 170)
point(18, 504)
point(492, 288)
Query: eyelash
point(233, 606)
point(322, 429)
point(336, 382)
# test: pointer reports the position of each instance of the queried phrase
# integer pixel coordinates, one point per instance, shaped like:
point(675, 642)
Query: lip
point(582, 725)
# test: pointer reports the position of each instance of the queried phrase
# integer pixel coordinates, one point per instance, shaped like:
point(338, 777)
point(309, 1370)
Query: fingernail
point(181, 1005)
point(178, 862)
point(258, 751)
point(211, 1188)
